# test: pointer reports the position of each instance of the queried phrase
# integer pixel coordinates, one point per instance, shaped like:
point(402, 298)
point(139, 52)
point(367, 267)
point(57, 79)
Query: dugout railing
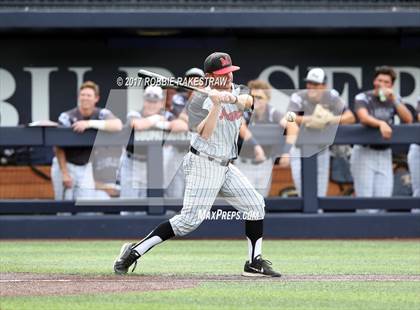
point(265, 134)
point(299, 219)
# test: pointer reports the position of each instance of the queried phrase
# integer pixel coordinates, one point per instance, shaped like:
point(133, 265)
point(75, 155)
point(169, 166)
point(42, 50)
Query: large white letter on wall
point(8, 114)
point(40, 92)
point(80, 74)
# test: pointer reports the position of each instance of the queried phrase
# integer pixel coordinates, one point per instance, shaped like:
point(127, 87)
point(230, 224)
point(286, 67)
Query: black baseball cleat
point(126, 258)
point(259, 268)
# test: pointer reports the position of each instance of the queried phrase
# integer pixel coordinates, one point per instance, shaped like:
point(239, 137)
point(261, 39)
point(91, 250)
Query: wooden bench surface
point(20, 182)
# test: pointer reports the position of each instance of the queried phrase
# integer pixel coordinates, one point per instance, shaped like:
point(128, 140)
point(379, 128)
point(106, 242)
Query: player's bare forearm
point(292, 132)
point(111, 125)
point(145, 123)
point(244, 132)
point(404, 114)
point(61, 158)
point(366, 119)
point(345, 119)
point(141, 124)
point(207, 126)
point(178, 125)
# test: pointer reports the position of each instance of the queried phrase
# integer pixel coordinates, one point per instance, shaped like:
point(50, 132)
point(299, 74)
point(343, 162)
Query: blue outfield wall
point(334, 225)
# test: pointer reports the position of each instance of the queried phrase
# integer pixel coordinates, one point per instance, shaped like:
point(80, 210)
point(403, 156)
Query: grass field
point(322, 261)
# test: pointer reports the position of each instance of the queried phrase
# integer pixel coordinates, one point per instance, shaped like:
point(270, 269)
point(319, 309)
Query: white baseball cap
point(195, 72)
point(153, 93)
point(316, 75)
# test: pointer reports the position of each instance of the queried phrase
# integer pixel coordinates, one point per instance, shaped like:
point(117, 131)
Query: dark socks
point(161, 233)
point(254, 234)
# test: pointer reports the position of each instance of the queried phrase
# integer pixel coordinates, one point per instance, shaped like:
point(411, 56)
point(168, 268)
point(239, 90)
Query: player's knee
point(183, 226)
point(260, 206)
point(181, 231)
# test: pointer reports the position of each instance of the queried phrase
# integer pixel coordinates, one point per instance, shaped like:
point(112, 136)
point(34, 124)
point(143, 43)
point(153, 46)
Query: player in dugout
point(71, 171)
point(316, 107)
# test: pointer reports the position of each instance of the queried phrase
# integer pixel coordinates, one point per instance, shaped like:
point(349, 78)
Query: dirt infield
point(30, 284)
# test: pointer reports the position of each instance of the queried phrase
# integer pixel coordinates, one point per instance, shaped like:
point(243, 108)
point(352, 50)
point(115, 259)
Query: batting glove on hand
point(215, 96)
point(227, 97)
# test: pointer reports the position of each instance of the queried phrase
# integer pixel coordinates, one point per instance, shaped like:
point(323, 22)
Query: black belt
point(78, 163)
point(251, 161)
point(377, 147)
point(222, 162)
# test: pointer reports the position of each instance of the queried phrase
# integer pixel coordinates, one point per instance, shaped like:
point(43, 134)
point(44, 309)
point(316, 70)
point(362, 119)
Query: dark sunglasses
point(152, 98)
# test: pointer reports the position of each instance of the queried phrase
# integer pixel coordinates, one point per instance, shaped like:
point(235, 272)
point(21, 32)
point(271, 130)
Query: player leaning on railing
point(371, 165)
point(71, 171)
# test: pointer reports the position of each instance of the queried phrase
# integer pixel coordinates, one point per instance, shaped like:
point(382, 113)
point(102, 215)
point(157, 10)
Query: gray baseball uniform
point(371, 165)
point(133, 169)
point(206, 179)
point(174, 154)
point(413, 159)
point(301, 104)
point(78, 165)
point(259, 173)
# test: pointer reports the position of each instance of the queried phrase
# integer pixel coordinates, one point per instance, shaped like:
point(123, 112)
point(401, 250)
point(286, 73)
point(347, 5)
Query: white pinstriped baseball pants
point(372, 172)
point(204, 180)
point(323, 166)
point(413, 159)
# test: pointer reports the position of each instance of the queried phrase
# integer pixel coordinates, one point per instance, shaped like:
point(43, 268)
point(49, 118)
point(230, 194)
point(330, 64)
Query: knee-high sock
point(254, 234)
point(159, 234)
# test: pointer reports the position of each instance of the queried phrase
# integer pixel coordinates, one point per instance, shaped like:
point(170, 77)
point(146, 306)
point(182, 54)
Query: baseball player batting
point(215, 122)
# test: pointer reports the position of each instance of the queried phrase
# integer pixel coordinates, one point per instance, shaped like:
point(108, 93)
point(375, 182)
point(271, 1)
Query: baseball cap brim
point(152, 97)
point(226, 70)
point(312, 81)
